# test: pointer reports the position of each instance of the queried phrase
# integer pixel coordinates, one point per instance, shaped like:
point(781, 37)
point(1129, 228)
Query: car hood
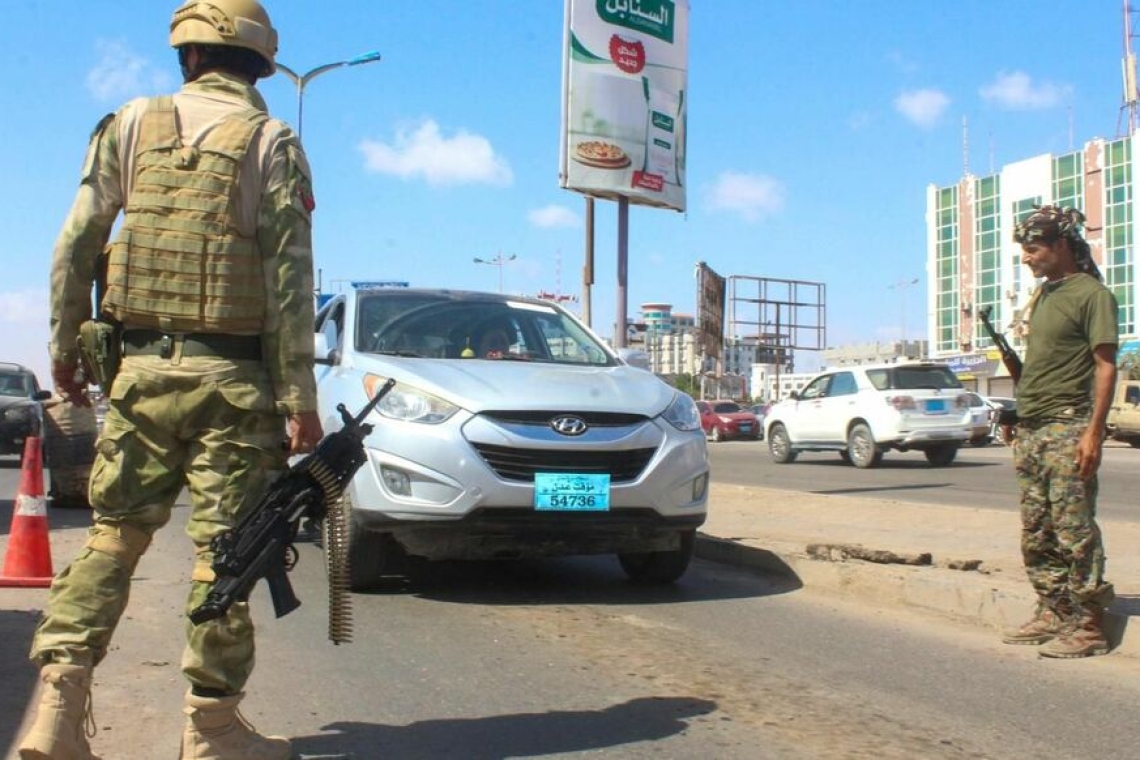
point(14, 402)
point(481, 385)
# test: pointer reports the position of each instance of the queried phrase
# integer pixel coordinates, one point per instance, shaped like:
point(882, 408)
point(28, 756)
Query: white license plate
point(559, 491)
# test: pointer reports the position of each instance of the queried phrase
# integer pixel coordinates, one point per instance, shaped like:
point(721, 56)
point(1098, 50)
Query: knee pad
point(121, 542)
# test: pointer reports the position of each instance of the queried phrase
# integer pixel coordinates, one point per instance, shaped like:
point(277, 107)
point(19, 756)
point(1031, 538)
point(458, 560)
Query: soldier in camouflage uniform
point(1063, 398)
point(211, 277)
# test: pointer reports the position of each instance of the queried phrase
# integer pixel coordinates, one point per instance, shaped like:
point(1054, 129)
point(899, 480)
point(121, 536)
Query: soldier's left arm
point(1103, 337)
point(285, 239)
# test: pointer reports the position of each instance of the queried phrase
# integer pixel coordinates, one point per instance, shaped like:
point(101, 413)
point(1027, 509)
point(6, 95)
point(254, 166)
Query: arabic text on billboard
point(624, 107)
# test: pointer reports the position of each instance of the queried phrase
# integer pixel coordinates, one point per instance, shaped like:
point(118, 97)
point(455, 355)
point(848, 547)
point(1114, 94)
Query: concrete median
point(873, 550)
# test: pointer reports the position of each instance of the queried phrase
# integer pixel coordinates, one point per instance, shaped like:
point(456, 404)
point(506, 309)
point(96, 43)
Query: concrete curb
point(969, 597)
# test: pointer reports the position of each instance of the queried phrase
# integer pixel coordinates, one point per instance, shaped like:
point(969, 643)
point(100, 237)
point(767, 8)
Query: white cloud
point(424, 152)
point(24, 324)
point(923, 107)
point(752, 196)
point(120, 75)
point(1016, 90)
point(553, 216)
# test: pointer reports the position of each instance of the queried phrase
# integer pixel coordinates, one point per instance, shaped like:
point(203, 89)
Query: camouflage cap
point(1049, 223)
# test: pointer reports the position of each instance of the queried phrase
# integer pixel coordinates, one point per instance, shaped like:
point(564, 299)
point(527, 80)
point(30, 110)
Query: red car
point(727, 419)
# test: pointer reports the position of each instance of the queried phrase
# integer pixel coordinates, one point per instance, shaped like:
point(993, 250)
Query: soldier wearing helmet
point(210, 279)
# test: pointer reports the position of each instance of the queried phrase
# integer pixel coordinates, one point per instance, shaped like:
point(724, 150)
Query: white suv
point(863, 411)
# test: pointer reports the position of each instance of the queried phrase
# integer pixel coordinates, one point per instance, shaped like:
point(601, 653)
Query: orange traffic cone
point(28, 561)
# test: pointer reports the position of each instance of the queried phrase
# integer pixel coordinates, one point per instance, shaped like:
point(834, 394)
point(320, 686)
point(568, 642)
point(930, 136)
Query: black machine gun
point(1009, 358)
point(261, 544)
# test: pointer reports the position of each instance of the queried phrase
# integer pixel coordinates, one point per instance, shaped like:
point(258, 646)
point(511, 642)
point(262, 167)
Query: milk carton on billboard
point(623, 118)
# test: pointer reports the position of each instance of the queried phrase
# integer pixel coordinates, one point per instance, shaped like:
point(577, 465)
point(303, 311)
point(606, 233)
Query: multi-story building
point(972, 261)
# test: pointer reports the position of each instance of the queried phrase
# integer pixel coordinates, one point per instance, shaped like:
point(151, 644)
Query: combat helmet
point(240, 23)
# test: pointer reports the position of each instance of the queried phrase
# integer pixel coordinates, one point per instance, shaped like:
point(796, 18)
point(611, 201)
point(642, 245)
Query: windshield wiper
point(411, 354)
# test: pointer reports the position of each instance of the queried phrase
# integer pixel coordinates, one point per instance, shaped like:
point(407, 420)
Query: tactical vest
point(179, 263)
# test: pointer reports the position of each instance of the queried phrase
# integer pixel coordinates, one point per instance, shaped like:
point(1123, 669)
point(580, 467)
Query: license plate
point(936, 406)
point(559, 491)
point(746, 427)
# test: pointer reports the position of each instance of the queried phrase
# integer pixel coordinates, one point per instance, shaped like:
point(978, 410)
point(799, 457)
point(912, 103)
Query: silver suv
point(512, 431)
point(861, 412)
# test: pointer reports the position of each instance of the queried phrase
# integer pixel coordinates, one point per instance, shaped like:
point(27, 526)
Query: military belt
point(220, 345)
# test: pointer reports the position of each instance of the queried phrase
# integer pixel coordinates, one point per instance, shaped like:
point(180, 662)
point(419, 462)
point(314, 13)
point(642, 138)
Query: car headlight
point(410, 404)
point(18, 413)
point(682, 413)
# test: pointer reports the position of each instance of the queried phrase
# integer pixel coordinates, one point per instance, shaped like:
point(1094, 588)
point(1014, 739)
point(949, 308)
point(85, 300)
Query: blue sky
point(813, 132)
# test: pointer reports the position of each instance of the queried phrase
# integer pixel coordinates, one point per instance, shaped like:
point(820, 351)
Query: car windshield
point(443, 327)
point(913, 378)
point(15, 384)
point(727, 407)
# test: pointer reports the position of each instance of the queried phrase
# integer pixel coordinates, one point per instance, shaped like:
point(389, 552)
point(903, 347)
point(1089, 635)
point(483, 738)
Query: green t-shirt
point(1071, 318)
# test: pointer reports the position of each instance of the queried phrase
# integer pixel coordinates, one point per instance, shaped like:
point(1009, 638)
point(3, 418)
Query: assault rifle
point(1009, 358)
point(261, 545)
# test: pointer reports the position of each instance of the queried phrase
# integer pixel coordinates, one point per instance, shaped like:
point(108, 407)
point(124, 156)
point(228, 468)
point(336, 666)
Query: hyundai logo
point(569, 425)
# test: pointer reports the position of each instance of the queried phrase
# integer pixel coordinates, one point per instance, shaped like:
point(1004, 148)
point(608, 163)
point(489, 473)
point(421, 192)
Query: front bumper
point(521, 533)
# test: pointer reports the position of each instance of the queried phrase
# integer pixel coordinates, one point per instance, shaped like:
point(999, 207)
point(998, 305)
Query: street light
point(498, 261)
point(300, 80)
point(901, 286)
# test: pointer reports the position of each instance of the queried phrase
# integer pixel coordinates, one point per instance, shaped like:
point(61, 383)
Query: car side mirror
point(322, 353)
point(41, 395)
point(794, 395)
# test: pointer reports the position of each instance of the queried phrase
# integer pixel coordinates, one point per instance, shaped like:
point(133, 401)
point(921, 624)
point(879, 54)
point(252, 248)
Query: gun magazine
point(337, 561)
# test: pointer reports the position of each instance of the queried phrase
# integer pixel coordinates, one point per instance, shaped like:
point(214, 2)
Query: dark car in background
point(21, 411)
point(726, 419)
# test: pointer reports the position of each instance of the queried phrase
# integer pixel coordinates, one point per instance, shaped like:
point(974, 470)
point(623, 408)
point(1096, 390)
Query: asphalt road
point(979, 477)
point(566, 659)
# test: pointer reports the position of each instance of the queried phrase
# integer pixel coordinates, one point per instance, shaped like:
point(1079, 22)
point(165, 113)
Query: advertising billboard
point(710, 311)
point(625, 75)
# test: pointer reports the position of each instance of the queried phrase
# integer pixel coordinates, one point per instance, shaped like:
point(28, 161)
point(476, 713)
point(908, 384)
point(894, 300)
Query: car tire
point(941, 456)
point(780, 445)
point(369, 554)
point(663, 566)
point(861, 447)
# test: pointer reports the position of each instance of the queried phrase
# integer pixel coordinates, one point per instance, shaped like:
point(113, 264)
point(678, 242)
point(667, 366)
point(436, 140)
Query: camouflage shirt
point(274, 206)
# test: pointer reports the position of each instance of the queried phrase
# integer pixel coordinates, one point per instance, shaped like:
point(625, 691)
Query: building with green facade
point(972, 261)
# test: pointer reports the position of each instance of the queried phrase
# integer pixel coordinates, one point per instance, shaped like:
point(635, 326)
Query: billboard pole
point(588, 269)
point(622, 270)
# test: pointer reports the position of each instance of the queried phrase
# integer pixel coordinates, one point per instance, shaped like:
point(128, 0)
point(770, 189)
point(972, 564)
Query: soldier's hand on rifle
point(305, 431)
point(70, 382)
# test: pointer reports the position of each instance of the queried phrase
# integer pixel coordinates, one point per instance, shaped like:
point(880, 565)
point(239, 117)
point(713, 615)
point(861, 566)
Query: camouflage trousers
point(1060, 539)
point(203, 423)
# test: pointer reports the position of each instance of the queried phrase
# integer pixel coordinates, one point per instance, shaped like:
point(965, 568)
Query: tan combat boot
point(63, 720)
point(215, 730)
point(1082, 637)
point(1045, 625)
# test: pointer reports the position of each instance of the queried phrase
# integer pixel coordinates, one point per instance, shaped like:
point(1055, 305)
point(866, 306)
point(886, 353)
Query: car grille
point(521, 464)
point(593, 419)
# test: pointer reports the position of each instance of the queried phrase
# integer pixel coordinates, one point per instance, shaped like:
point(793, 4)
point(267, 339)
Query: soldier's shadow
point(510, 736)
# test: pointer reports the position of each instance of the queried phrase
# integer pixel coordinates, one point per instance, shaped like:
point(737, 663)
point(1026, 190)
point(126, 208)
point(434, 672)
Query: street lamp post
point(901, 286)
point(301, 80)
point(498, 261)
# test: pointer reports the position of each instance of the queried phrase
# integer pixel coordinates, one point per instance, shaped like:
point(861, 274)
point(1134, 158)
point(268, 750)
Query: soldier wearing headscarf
point(1063, 398)
point(211, 278)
